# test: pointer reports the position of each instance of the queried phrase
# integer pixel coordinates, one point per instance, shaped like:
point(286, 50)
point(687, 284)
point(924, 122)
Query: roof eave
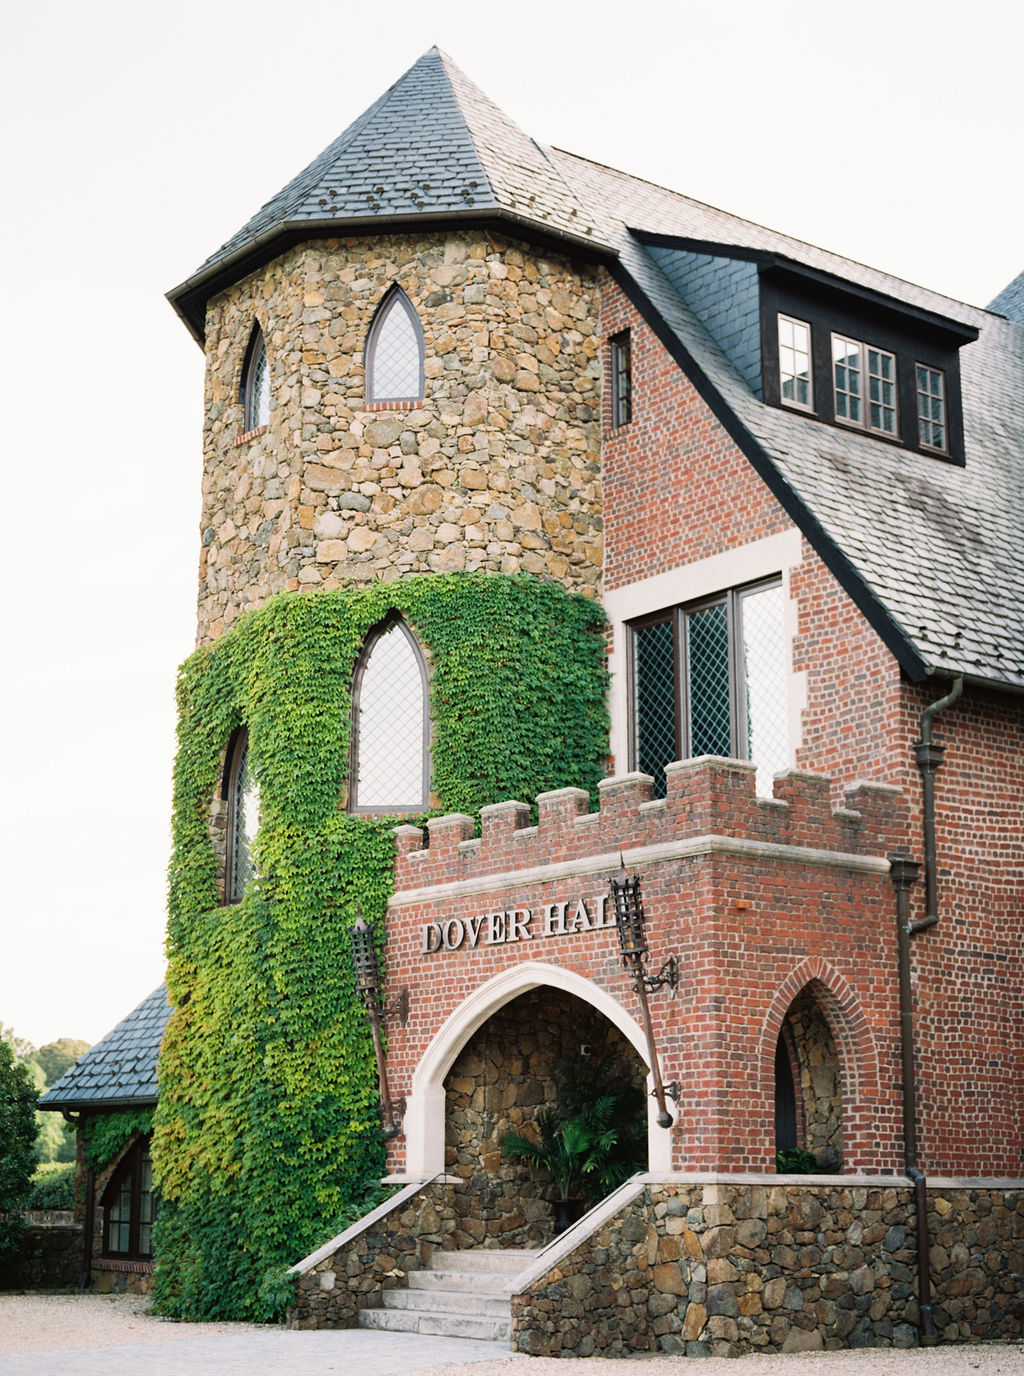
point(98, 1105)
point(189, 298)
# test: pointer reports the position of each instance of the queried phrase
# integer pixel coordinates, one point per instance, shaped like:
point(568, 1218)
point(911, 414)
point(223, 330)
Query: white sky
point(139, 137)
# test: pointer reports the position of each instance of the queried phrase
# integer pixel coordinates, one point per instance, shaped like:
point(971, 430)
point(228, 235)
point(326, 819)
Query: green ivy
point(267, 1135)
point(106, 1134)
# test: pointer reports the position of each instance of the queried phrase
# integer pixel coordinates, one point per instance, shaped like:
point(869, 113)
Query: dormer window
point(864, 379)
point(931, 408)
point(254, 392)
point(394, 352)
point(795, 363)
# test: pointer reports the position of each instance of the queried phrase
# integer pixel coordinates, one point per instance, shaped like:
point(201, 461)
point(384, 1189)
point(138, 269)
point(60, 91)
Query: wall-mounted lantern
point(631, 923)
point(367, 972)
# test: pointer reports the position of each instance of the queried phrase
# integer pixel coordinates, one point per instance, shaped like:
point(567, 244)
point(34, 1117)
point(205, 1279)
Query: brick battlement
point(706, 797)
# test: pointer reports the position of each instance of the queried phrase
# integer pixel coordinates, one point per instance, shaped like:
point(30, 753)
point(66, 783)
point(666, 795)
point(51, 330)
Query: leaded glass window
point(931, 407)
point(795, 362)
point(243, 819)
point(129, 1205)
point(394, 351)
point(255, 389)
point(711, 679)
point(390, 755)
point(622, 380)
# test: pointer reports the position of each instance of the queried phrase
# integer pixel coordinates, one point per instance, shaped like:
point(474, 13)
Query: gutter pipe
point(929, 758)
point(903, 873)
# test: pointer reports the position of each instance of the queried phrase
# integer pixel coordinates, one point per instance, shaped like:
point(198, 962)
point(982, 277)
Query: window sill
point(251, 435)
point(136, 1267)
point(392, 405)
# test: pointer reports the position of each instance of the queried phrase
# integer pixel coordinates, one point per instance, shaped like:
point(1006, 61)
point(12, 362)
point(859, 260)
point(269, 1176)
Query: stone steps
point(460, 1295)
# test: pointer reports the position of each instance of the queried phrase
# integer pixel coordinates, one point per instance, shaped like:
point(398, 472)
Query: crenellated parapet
point(708, 797)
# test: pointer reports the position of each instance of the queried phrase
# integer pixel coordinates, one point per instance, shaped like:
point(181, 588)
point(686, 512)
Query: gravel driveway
point(107, 1335)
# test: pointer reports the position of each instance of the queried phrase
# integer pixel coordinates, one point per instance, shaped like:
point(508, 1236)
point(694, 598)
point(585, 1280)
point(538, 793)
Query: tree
point(56, 1057)
point(17, 1145)
point(21, 1047)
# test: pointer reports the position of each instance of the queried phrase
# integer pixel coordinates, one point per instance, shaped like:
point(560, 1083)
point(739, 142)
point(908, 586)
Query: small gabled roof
point(120, 1070)
point(431, 149)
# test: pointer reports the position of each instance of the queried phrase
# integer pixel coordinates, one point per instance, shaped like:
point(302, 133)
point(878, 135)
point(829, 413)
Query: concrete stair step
point(448, 1302)
point(441, 1325)
point(462, 1282)
point(507, 1262)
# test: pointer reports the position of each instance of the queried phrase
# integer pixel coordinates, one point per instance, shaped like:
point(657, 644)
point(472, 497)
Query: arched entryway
point(808, 1084)
point(426, 1110)
point(546, 1052)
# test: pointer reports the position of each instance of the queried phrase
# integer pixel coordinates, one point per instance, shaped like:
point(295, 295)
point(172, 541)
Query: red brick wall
point(751, 928)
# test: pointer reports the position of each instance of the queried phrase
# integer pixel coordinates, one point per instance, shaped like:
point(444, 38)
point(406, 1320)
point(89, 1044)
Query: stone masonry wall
point(726, 1268)
point(497, 469)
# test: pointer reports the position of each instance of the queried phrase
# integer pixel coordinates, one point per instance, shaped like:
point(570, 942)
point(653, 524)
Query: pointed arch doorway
point(469, 1082)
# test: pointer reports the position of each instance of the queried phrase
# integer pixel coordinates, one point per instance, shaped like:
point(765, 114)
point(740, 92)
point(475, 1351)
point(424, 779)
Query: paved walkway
point(259, 1352)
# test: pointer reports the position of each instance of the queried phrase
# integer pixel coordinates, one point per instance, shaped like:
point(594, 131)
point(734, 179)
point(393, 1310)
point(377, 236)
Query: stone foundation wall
point(731, 1267)
point(49, 1256)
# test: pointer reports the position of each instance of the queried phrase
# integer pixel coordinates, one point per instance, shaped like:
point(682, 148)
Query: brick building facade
point(788, 480)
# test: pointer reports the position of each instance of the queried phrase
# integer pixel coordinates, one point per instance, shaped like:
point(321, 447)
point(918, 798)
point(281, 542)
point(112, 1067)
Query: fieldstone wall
point(726, 1268)
point(49, 1256)
point(502, 1077)
point(497, 469)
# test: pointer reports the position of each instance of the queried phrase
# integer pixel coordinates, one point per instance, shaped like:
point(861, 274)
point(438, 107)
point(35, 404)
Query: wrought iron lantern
point(367, 973)
point(631, 924)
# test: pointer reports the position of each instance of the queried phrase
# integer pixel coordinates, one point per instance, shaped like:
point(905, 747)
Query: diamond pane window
point(654, 698)
point(243, 820)
point(255, 389)
point(931, 407)
point(709, 728)
point(394, 351)
point(390, 751)
point(795, 362)
point(712, 680)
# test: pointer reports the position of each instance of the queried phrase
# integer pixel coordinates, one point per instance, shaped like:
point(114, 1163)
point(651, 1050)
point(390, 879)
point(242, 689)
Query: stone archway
point(424, 1122)
point(808, 1048)
point(540, 1051)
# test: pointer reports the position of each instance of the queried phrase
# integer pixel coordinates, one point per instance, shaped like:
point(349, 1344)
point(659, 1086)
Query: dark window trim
point(731, 599)
point(246, 394)
point(381, 629)
point(621, 360)
point(395, 298)
point(131, 1162)
point(910, 341)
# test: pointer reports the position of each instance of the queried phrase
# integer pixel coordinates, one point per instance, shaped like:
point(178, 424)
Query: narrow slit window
point(390, 756)
point(255, 389)
point(394, 351)
point(243, 819)
point(622, 380)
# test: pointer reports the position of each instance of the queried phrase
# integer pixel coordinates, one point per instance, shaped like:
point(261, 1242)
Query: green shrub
point(796, 1161)
point(53, 1186)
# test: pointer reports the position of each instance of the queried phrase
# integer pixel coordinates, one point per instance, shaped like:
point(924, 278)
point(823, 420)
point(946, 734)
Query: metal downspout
point(929, 758)
point(903, 873)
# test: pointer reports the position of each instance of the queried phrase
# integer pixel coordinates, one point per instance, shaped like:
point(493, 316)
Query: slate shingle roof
point(120, 1069)
point(927, 549)
point(1010, 301)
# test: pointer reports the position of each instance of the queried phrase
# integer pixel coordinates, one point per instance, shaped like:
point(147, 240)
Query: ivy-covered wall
point(267, 1133)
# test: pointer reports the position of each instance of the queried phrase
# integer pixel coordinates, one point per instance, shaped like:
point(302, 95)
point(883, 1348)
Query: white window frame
point(940, 396)
point(791, 352)
point(864, 372)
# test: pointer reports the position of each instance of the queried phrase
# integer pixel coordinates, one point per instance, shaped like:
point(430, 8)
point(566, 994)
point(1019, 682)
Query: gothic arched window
point(254, 392)
point(243, 801)
point(394, 351)
point(391, 724)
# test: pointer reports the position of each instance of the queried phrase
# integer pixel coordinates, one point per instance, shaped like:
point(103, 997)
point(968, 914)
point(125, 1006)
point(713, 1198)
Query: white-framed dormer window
point(864, 385)
point(795, 387)
point(254, 392)
point(931, 408)
point(390, 762)
point(394, 351)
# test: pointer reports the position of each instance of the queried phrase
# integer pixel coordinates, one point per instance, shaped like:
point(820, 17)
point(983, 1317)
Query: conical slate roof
point(433, 147)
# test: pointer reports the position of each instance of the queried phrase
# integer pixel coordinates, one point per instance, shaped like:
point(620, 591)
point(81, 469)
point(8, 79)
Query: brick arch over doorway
point(855, 1047)
point(424, 1122)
